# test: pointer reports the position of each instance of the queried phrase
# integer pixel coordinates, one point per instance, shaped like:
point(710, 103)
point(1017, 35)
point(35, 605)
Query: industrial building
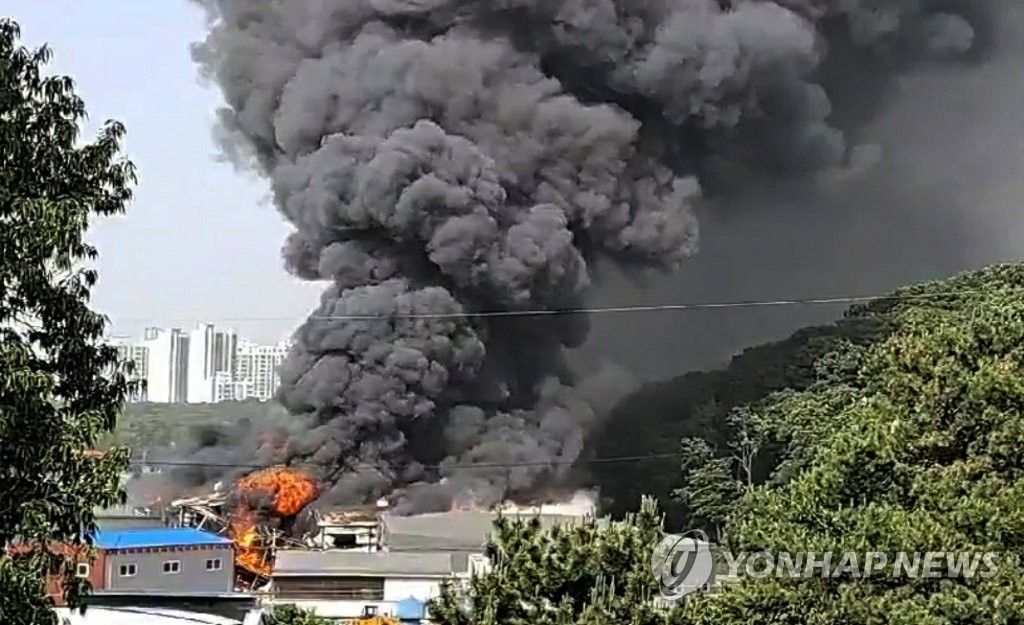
point(348, 584)
point(403, 569)
point(458, 530)
point(165, 559)
point(357, 561)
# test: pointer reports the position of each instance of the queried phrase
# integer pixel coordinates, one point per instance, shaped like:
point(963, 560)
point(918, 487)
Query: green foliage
point(910, 442)
point(917, 448)
point(594, 572)
point(698, 406)
point(291, 615)
point(709, 488)
point(146, 426)
point(59, 388)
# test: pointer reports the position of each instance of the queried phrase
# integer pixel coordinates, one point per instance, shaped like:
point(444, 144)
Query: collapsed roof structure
point(267, 513)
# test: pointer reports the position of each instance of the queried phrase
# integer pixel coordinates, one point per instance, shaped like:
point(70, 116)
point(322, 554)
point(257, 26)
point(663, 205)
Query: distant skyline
point(189, 325)
point(201, 241)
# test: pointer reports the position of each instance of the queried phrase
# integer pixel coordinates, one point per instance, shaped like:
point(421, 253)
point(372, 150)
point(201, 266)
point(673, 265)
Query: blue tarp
point(410, 609)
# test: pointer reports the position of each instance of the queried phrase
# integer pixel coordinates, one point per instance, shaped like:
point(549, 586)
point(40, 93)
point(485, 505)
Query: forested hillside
point(655, 419)
point(148, 426)
point(909, 444)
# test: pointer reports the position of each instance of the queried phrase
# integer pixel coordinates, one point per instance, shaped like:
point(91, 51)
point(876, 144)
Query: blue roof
point(156, 537)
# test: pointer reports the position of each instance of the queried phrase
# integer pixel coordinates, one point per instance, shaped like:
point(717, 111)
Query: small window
point(345, 541)
point(127, 570)
point(82, 569)
point(172, 567)
point(213, 564)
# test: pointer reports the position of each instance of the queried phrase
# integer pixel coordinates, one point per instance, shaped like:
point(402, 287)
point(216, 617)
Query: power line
point(512, 465)
point(473, 465)
point(598, 310)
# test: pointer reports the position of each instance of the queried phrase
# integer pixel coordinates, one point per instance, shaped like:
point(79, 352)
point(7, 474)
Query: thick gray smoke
point(444, 159)
point(942, 195)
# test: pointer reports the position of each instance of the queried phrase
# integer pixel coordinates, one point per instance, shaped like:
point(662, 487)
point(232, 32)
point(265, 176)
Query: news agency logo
point(682, 564)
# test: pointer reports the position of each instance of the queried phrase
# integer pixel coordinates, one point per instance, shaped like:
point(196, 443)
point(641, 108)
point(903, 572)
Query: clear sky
point(201, 240)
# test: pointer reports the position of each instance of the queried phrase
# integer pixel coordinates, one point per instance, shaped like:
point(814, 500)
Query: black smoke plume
point(444, 159)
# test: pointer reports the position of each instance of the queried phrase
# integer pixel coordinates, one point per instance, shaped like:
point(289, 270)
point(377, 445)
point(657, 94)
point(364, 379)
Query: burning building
point(275, 495)
point(267, 510)
point(349, 529)
point(257, 514)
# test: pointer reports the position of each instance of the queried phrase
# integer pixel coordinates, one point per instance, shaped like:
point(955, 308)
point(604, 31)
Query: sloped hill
point(654, 419)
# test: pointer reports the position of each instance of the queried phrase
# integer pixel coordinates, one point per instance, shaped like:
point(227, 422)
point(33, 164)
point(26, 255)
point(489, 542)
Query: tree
point(595, 572)
point(913, 444)
point(697, 406)
point(291, 615)
point(908, 443)
point(161, 427)
point(59, 388)
point(710, 488)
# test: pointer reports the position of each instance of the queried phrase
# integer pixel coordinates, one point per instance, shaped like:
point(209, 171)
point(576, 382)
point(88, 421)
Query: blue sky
point(201, 240)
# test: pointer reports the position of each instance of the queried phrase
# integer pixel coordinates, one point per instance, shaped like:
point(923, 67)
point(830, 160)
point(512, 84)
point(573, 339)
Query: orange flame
point(249, 553)
point(291, 491)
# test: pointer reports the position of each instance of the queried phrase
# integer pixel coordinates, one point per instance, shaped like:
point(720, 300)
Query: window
point(82, 569)
point(127, 570)
point(332, 588)
point(345, 541)
point(214, 564)
point(172, 567)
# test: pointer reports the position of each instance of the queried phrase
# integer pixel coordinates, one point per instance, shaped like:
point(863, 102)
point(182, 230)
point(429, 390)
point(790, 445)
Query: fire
point(290, 491)
point(249, 553)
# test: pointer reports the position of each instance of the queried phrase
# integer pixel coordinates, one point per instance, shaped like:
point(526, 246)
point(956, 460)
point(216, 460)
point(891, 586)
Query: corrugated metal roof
point(144, 616)
point(219, 596)
point(360, 564)
point(345, 516)
point(156, 537)
point(456, 530)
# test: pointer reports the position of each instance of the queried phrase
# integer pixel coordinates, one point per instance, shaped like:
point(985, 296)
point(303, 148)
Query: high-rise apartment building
point(205, 365)
point(227, 388)
point(138, 355)
point(167, 365)
point(256, 369)
point(211, 352)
